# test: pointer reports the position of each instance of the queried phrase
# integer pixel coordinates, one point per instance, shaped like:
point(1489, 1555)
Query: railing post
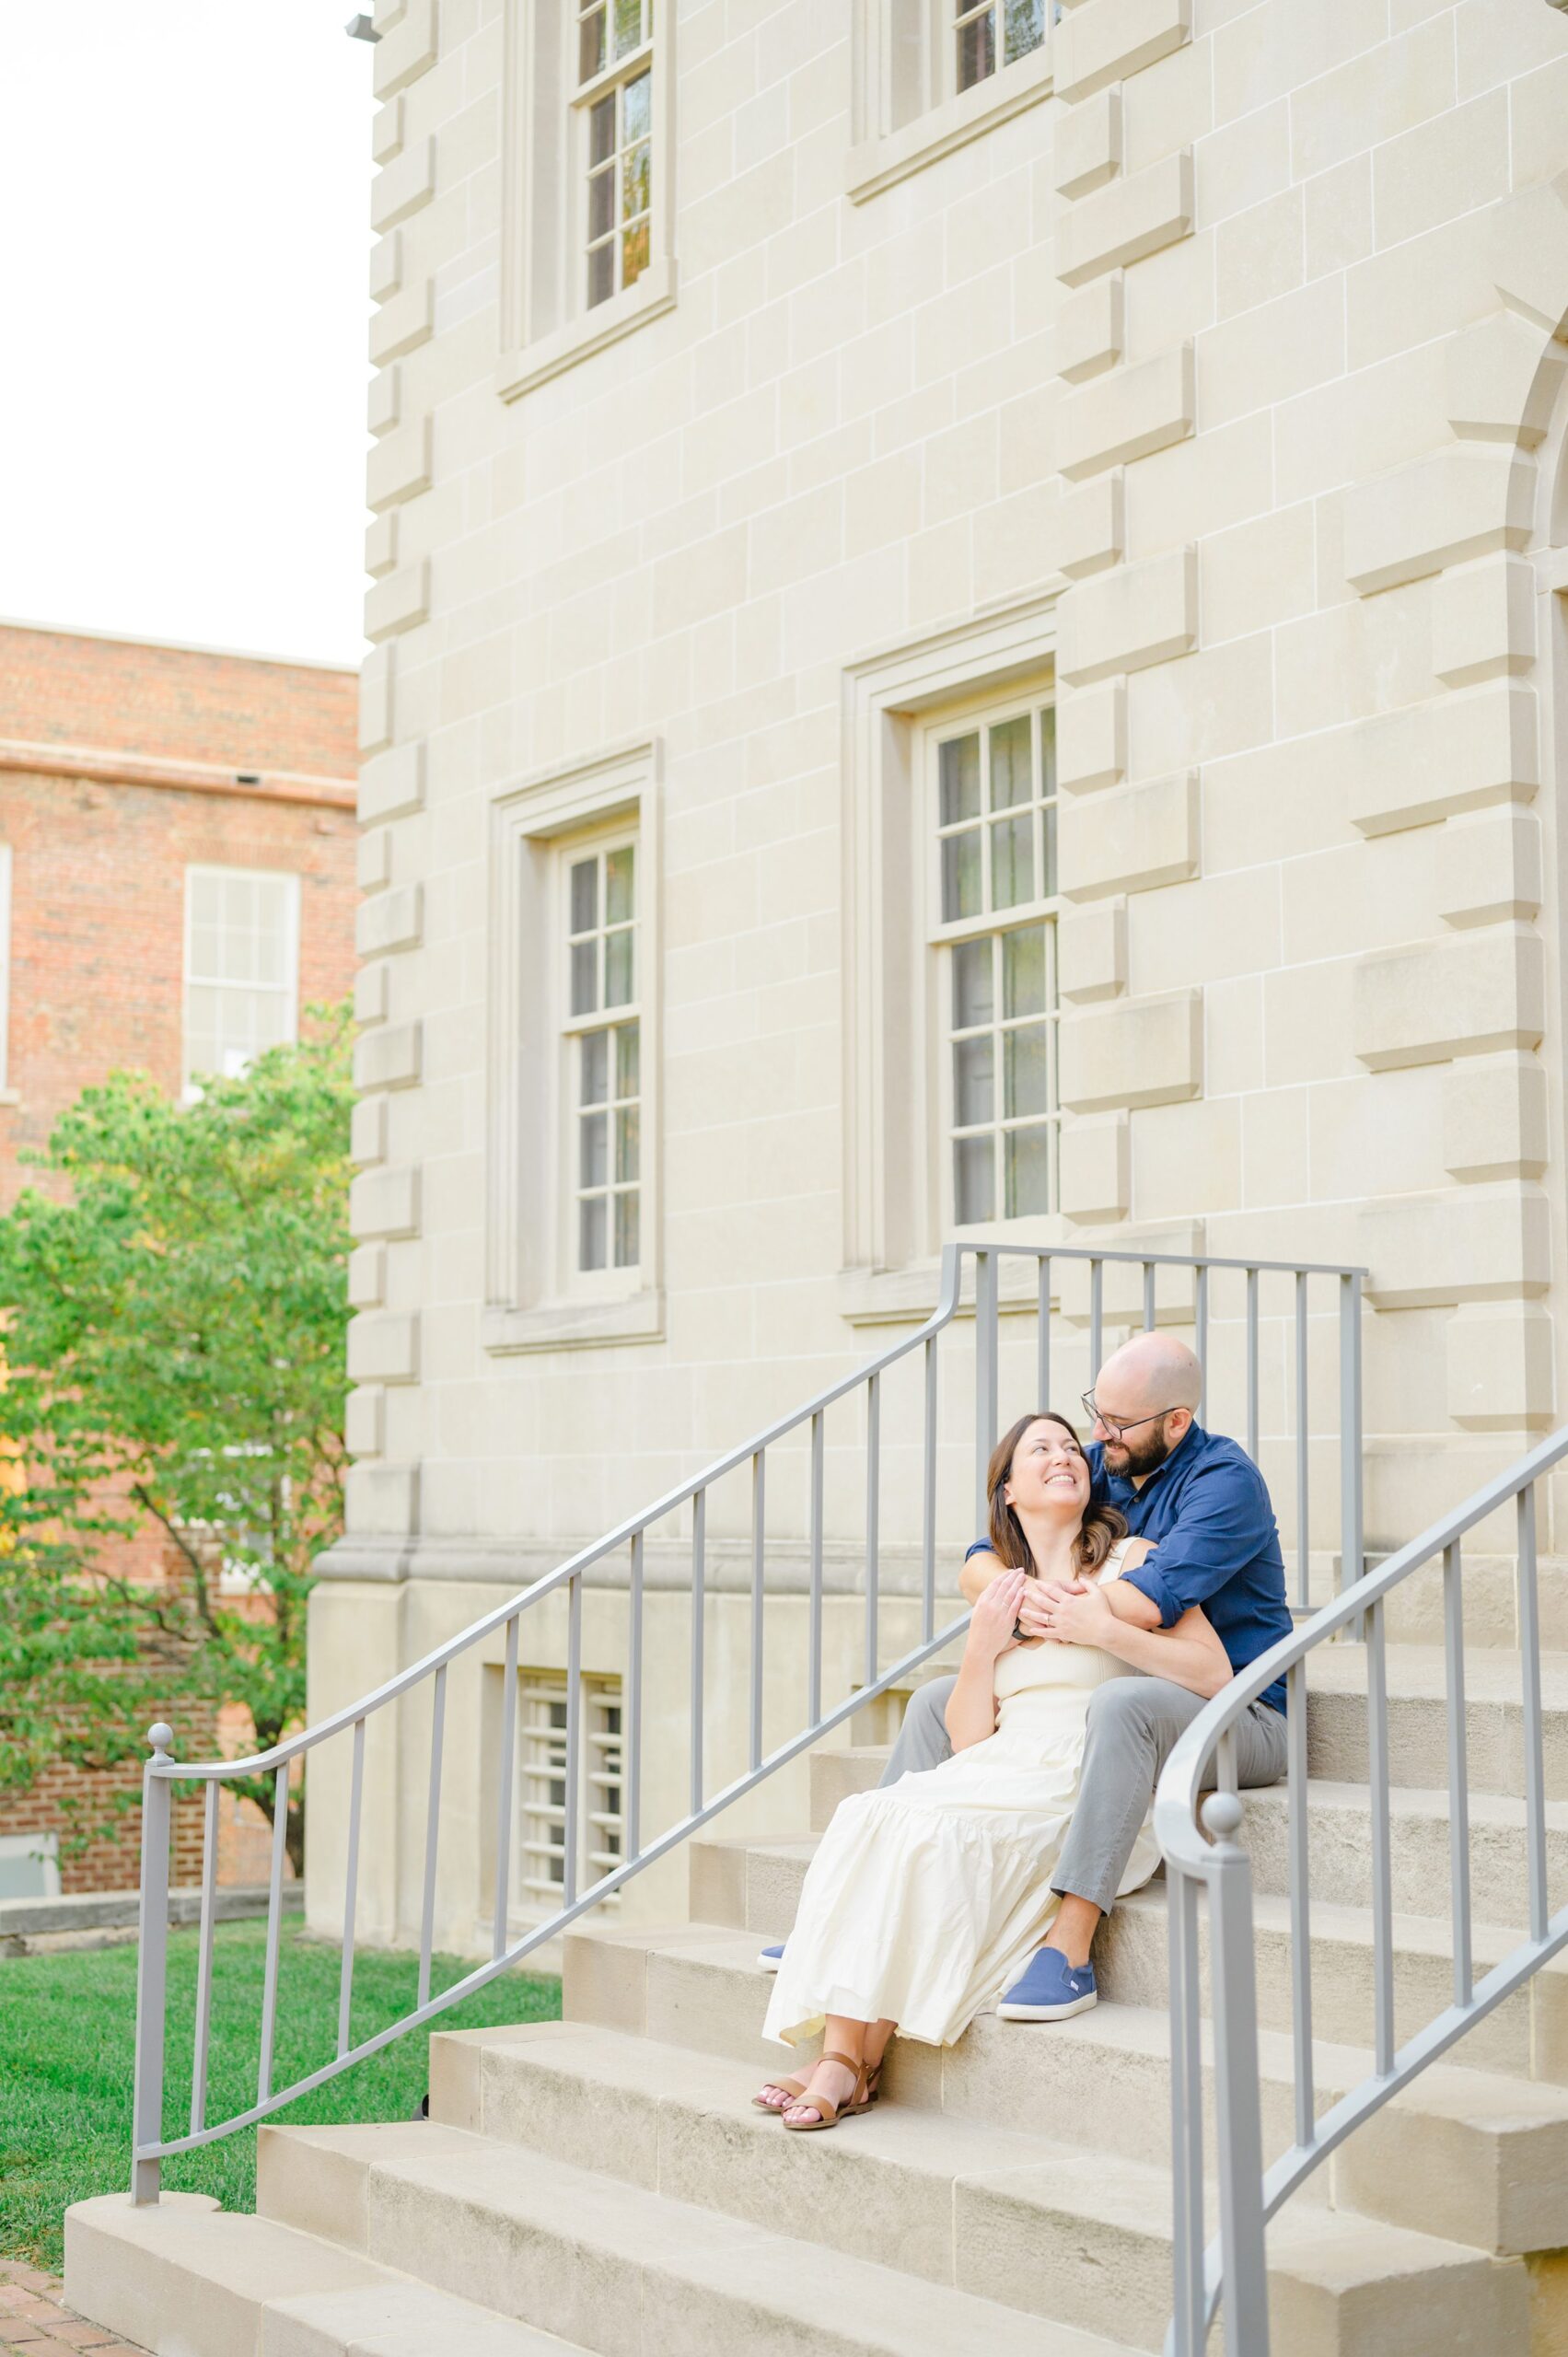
point(1238, 2108)
point(151, 1958)
point(985, 1374)
point(1185, 2114)
point(1349, 1431)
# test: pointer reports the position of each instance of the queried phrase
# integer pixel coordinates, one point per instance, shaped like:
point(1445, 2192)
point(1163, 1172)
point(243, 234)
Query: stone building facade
point(176, 882)
point(968, 630)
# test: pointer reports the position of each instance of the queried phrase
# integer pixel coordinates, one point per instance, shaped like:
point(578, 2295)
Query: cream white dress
point(927, 1899)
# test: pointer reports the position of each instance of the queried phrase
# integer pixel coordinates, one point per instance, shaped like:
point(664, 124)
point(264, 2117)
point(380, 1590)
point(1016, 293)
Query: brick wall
point(177, 702)
point(96, 964)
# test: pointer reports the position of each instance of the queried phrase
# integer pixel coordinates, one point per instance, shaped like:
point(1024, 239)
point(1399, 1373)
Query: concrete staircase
point(602, 2182)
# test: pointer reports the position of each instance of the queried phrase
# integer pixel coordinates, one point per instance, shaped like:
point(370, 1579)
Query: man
point(1203, 1504)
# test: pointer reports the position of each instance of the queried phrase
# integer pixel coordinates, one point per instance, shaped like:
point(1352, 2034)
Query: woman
point(927, 1899)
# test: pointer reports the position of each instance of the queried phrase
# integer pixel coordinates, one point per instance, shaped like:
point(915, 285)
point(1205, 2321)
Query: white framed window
point(589, 222)
point(241, 969)
point(613, 134)
point(931, 74)
point(573, 1236)
point(602, 1043)
point(29, 1865)
point(901, 1032)
point(542, 1766)
point(994, 895)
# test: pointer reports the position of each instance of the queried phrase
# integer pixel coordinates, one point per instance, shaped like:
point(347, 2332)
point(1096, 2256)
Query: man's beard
point(1143, 1457)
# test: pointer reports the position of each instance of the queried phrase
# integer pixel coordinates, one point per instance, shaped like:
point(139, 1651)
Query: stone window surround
point(884, 151)
point(545, 327)
point(892, 1197)
point(527, 1309)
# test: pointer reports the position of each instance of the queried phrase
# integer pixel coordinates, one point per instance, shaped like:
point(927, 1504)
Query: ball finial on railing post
point(1221, 1817)
point(160, 1738)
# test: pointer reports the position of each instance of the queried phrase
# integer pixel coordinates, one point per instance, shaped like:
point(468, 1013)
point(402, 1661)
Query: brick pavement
point(33, 2316)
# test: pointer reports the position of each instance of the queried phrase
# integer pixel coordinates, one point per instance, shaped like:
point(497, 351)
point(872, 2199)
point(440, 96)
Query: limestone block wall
point(1215, 389)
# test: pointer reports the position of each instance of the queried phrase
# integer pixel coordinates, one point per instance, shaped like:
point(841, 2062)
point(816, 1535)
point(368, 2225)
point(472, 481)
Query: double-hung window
point(614, 106)
point(603, 1049)
point(589, 227)
point(994, 896)
point(930, 74)
point(987, 35)
point(241, 969)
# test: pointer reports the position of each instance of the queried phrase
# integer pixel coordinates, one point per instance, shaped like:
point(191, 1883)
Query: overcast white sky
point(185, 189)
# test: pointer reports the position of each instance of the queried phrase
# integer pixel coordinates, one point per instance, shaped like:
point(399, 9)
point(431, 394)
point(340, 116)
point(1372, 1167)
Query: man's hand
point(1082, 1616)
point(1040, 1598)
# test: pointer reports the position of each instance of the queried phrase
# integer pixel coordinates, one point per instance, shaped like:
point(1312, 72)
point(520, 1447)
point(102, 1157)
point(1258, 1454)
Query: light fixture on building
point(362, 28)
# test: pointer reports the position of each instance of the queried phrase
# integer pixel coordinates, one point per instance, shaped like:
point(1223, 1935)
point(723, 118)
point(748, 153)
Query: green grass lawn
point(67, 2028)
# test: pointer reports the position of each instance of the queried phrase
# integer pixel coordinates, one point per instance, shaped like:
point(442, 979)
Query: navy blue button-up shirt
point(1207, 1514)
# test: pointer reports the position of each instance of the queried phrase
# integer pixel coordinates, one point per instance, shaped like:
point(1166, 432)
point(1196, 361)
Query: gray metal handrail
point(1232, 2271)
point(151, 2147)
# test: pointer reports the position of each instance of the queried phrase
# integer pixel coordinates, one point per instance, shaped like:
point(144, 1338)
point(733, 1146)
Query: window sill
point(881, 163)
point(908, 1297)
point(574, 1324)
point(518, 372)
point(10, 1095)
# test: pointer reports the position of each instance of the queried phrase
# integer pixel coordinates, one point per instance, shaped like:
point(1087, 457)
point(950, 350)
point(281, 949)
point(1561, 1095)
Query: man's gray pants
point(1133, 1724)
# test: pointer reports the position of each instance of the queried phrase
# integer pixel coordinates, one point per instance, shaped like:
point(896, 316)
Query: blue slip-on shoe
point(771, 1958)
point(1051, 1990)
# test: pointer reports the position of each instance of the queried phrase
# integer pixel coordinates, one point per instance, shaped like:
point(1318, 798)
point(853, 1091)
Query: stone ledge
point(1132, 1052)
point(1433, 761)
point(1466, 995)
point(1131, 839)
point(1127, 219)
point(1105, 41)
point(1437, 511)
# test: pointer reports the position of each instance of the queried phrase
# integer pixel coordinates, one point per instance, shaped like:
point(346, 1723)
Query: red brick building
point(176, 884)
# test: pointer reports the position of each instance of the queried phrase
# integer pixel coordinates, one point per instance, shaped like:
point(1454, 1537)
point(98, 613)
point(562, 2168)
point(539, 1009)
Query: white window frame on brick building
point(560, 973)
point(538, 1866)
point(900, 706)
point(931, 74)
point(238, 969)
point(572, 66)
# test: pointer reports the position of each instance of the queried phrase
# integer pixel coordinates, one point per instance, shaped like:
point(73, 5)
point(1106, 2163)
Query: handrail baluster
point(698, 1632)
point(1458, 1774)
point(1303, 1454)
point(872, 1530)
point(505, 1787)
point(1529, 1666)
point(632, 1717)
point(274, 1928)
point(204, 1958)
point(758, 1545)
point(432, 1830)
point(1382, 1845)
point(351, 1889)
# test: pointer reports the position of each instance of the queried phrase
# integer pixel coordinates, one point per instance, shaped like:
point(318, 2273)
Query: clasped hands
point(1015, 1607)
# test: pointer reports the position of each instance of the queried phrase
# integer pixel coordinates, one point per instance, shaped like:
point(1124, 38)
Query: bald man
point(1204, 1507)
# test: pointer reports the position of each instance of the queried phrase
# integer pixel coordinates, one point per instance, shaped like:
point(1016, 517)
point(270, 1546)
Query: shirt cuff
point(1147, 1578)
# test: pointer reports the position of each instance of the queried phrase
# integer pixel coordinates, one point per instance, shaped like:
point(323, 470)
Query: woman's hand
point(1083, 1618)
point(995, 1615)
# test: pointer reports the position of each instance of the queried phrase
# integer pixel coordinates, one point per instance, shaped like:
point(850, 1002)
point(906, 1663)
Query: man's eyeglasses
point(1116, 1424)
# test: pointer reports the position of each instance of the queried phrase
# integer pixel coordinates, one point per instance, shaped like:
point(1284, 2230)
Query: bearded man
point(1204, 1507)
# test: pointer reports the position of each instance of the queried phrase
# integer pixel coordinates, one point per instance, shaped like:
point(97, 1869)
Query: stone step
point(1336, 1724)
point(1476, 2158)
point(621, 2268)
point(186, 2278)
point(753, 1888)
point(758, 1883)
point(1053, 2233)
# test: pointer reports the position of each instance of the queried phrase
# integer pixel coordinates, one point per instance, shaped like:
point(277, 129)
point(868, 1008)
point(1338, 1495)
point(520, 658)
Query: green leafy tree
point(174, 1345)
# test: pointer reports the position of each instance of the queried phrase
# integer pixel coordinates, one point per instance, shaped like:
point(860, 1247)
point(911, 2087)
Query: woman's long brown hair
point(1103, 1524)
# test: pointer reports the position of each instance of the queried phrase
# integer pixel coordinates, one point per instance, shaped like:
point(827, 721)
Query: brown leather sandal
point(830, 2114)
point(796, 2089)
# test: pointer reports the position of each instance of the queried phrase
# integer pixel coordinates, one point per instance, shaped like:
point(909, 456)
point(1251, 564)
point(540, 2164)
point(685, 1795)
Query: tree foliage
point(174, 1348)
